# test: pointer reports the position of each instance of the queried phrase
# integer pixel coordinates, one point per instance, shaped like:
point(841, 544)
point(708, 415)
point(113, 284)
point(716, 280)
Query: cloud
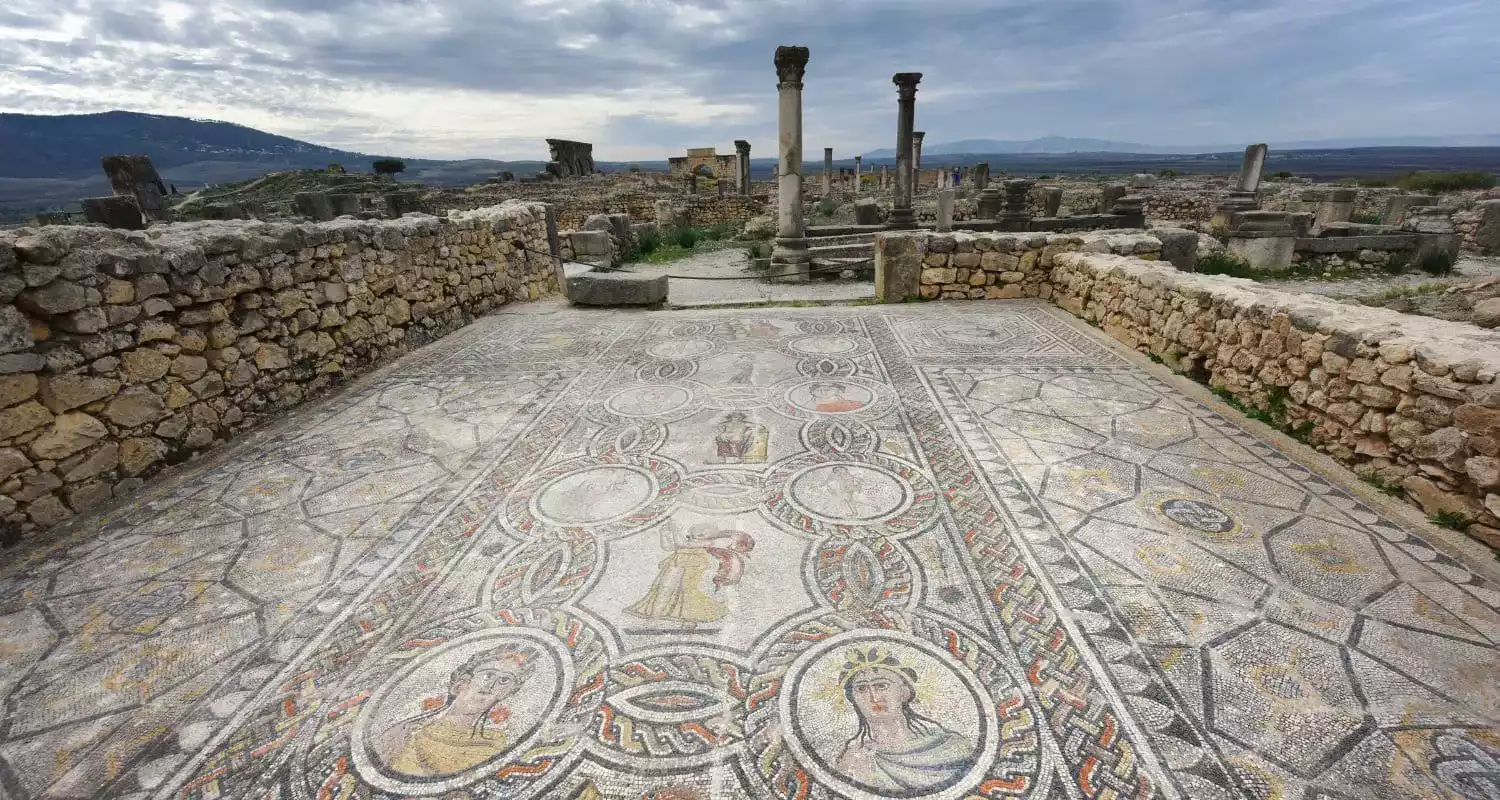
point(647, 78)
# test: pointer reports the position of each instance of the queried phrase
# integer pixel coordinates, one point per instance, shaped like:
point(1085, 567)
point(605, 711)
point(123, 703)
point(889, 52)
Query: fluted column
point(742, 163)
point(906, 116)
point(790, 251)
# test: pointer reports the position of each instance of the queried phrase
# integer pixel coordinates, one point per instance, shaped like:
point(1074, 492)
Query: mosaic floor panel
point(920, 552)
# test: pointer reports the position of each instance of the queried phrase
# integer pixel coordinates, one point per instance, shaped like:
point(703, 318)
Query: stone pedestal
point(1016, 214)
point(898, 267)
point(1051, 197)
point(906, 148)
point(982, 175)
point(1227, 216)
point(1264, 240)
point(1131, 209)
point(945, 210)
point(790, 253)
point(742, 166)
point(1433, 226)
point(1108, 195)
point(866, 212)
point(991, 203)
point(116, 211)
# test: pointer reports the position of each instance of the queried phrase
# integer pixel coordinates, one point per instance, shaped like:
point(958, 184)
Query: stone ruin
point(721, 167)
point(570, 159)
point(139, 195)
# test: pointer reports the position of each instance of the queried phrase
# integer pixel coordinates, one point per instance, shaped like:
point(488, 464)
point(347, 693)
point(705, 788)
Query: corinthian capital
point(791, 63)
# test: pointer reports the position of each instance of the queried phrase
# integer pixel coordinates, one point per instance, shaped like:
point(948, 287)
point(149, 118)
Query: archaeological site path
point(872, 552)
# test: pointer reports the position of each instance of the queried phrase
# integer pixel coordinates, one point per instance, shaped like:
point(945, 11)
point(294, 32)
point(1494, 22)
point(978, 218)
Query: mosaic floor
point(921, 552)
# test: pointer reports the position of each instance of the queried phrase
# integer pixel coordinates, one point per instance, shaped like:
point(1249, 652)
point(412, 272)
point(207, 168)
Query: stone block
point(616, 289)
point(1399, 205)
point(1269, 253)
point(866, 212)
point(1178, 246)
point(314, 205)
point(1487, 236)
point(115, 211)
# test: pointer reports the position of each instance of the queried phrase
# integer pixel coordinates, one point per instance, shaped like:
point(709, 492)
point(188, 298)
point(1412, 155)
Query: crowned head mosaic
point(803, 553)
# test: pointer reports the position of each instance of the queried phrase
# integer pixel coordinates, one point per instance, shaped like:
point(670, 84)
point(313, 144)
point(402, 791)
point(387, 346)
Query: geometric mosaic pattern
point(817, 553)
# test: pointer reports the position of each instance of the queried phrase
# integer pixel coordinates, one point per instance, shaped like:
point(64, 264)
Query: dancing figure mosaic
point(805, 553)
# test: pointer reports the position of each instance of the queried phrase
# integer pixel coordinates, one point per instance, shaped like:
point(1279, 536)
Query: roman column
point(790, 251)
point(916, 153)
point(906, 114)
point(742, 164)
point(856, 176)
point(827, 170)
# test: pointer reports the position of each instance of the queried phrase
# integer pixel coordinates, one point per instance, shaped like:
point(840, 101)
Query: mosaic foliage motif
point(833, 553)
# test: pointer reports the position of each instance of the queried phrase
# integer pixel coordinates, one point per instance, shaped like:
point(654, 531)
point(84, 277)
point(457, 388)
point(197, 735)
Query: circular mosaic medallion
point(614, 495)
point(1198, 515)
point(972, 333)
point(956, 723)
point(680, 349)
point(835, 345)
point(485, 701)
point(594, 495)
point(848, 493)
point(864, 497)
point(648, 401)
point(822, 398)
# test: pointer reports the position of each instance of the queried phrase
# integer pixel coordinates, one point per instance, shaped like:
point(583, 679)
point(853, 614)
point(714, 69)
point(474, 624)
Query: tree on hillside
point(389, 166)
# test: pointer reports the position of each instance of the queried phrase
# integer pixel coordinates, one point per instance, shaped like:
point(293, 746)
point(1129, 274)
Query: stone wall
point(124, 351)
point(1409, 400)
point(986, 266)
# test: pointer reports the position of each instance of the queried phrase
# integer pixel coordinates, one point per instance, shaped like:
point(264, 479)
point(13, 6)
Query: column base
point(901, 219)
point(791, 256)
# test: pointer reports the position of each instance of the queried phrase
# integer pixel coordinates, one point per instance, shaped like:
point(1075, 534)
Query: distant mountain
point(70, 146)
point(1064, 144)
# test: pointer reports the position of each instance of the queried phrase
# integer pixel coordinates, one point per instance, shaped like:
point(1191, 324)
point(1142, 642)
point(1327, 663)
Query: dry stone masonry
point(124, 351)
point(1411, 402)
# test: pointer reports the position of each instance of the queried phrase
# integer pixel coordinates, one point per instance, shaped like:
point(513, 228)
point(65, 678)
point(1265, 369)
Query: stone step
point(867, 239)
point(855, 251)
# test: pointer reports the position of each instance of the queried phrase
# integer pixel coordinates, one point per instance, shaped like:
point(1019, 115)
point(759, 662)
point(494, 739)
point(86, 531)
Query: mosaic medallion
point(1198, 515)
point(834, 397)
point(681, 349)
point(873, 495)
point(881, 713)
point(828, 345)
point(648, 401)
point(611, 495)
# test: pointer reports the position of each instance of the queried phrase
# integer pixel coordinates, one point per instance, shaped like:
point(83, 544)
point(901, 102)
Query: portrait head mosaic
point(821, 554)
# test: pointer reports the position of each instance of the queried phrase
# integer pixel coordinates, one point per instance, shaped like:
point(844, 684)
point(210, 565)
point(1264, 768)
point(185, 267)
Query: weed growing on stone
point(1223, 263)
point(1452, 520)
point(1383, 486)
point(1365, 218)
point(1396, 263)
point(1154, 358)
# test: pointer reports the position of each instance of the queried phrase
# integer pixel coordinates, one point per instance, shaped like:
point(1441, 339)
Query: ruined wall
point(123, 351)
point(988, 266)
point(1411, 400)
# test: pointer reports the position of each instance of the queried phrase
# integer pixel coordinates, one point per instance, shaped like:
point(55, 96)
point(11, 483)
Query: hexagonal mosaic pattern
point(923, 552)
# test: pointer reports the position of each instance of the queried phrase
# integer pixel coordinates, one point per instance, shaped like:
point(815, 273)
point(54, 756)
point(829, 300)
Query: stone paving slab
point(872, 552)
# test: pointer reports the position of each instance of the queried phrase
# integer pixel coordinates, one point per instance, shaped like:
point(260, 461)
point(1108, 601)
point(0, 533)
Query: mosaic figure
point(838, 491)
point(690, 581)
point(739, 441)
point(830, 398)
point(467, 727)
point(896, 750)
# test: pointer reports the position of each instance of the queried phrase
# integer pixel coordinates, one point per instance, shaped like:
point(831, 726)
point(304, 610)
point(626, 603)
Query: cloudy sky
point(646, 78)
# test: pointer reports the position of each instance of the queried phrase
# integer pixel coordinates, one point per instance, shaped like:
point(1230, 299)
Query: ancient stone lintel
point(134, 176)
point(116, 211)
point(570, 159)
point(791, 65)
